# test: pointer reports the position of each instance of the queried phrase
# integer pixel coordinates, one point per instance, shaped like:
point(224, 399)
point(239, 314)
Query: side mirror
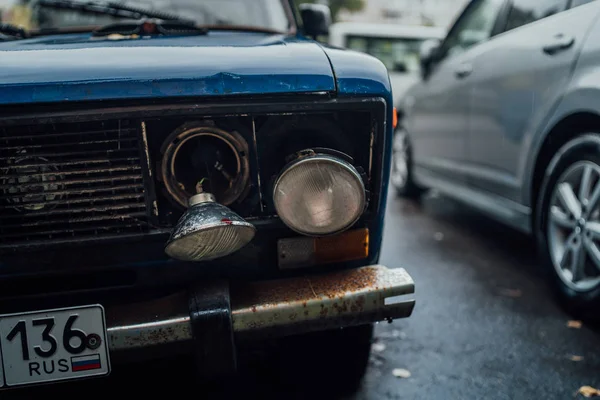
point(427, 55)
point(316, 19)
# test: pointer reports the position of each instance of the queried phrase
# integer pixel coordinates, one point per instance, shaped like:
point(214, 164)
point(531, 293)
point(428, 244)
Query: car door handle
point(560, 43)
point(463, 70)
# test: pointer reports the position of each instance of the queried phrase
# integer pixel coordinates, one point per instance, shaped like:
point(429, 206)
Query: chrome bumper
point(273, 308)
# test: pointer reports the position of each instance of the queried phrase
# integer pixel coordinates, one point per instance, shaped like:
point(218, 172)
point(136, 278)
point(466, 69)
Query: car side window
point(576, 3)
point(523, 12)
point(474, 26)
point(399, 55)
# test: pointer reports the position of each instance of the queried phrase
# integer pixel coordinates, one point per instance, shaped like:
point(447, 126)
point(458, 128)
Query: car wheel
point(401, 174)
point(568, 225)
point(333, 361)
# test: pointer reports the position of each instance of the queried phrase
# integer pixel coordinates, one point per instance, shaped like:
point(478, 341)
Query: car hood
point(78, 67)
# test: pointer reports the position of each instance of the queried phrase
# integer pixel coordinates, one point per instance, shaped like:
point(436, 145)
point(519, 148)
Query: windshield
point(260, 14)
point(399, 55)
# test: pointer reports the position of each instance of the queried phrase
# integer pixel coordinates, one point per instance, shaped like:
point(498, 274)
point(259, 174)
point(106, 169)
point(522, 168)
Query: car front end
point(178, 192)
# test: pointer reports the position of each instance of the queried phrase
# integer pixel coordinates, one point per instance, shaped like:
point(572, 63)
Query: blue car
point(189, 177)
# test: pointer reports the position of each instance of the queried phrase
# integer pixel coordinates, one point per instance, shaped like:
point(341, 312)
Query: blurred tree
point(338, 5)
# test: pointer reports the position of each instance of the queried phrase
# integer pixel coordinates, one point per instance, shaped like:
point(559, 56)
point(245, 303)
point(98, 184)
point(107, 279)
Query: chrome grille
point(70, 181)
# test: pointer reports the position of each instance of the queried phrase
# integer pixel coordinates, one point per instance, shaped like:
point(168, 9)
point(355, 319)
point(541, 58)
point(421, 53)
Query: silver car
point(507, 119)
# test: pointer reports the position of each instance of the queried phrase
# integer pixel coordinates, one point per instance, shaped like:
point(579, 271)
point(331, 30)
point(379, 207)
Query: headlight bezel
point(329, 156)
point(173, 147)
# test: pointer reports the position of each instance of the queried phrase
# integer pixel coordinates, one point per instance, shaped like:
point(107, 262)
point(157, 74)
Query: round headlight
point(319, 195)
point(208, 230)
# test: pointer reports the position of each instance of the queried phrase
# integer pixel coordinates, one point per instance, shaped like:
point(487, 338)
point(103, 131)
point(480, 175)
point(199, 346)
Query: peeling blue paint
point(358, 73)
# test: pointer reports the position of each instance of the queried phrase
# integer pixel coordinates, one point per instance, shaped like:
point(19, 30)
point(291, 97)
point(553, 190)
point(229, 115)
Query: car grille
point(61, 182)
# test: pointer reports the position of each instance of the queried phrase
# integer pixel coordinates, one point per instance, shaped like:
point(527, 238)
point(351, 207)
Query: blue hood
point(79, 67)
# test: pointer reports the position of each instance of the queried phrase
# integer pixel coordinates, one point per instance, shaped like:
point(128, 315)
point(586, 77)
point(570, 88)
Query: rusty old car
point(187, 180)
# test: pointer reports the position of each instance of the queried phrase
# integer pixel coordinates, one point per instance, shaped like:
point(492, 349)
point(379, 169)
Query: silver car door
point(518, 78)
point(438, 115)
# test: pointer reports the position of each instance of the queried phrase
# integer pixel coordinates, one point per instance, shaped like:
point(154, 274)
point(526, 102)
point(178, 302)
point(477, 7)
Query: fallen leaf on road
point(588, 391)
point(576, 358)
point(401, 373)
point(378, 347)
point(574, 324)
point(511, 292)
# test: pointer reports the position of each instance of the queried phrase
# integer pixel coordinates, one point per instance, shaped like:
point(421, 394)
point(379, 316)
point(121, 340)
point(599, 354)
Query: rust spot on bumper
point(314, 302)
point(273, 308)
point(332, 286)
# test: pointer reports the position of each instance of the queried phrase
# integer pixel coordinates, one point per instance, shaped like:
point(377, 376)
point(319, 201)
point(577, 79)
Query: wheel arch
point(561, 133)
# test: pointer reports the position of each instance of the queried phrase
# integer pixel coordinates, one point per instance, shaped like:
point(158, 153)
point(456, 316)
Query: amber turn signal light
point(395, 118)
point(306, 252)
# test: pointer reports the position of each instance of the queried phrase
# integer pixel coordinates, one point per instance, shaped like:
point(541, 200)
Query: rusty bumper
point(273, 308)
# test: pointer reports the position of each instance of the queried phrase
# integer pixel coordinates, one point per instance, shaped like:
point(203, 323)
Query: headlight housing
point(319, 195)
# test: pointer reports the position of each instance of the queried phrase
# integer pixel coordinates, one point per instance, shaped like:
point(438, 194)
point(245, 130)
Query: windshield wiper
point(149, 27)
point(9, 31)
point(112, 9)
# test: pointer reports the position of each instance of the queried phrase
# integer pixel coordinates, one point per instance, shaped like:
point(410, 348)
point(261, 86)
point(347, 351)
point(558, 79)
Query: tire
point(329, 362)
point(569, 236)
point(402, 166)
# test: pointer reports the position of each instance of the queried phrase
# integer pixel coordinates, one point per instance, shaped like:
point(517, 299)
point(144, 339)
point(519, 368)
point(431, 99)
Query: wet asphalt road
point(484, 327)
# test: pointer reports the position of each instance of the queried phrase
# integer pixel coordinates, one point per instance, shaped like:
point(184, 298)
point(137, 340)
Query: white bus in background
point(397, 46)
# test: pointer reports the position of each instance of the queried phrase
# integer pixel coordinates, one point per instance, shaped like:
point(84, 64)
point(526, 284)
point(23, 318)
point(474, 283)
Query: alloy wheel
point(574, 226)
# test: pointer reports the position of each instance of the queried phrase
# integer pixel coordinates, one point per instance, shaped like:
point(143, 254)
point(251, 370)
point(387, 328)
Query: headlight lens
point(319, 195)
point(208, 230)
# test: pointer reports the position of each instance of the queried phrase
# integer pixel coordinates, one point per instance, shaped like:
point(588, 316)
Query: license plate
point(53, 345)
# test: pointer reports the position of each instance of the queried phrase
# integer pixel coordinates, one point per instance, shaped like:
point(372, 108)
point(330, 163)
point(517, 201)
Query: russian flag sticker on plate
point(85, 363)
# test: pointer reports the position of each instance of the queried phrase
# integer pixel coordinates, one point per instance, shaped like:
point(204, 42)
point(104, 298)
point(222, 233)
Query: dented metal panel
point(171, 67)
